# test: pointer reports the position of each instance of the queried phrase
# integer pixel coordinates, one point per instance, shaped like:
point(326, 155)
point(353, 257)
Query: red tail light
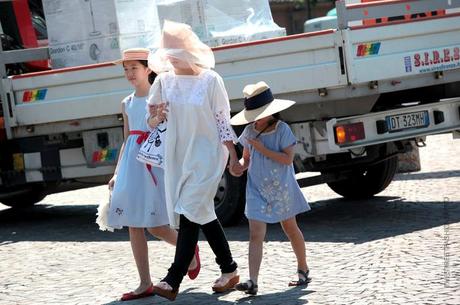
point(349, 133)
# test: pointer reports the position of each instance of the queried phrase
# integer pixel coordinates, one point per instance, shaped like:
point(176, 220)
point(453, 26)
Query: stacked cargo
point(84, 32)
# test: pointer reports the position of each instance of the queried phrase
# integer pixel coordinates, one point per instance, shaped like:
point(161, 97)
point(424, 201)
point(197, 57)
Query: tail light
point(349, 133)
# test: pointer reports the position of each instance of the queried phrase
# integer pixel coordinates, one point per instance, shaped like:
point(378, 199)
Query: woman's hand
point(232, 162)
point(158, 113)
point(162, 112)
point(153, 109)
point(237, 169)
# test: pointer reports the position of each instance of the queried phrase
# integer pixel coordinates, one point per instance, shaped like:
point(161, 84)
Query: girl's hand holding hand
point(231, 165)
point(257, 144)
point(237, 170)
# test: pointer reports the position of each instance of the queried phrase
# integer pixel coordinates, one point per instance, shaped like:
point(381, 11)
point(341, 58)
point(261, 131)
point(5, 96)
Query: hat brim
point(121, 60)
point(248, 116)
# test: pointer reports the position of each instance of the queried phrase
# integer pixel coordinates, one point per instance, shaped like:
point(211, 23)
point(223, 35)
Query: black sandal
point(301, 282)
point(248, 287)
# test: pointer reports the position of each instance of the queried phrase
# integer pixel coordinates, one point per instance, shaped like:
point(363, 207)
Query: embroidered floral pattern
point(275, 194)
point(179, 92)
point(226, 132)
point(119, 211)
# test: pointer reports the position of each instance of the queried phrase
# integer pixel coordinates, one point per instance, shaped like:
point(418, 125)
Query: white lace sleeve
point(221, 109)
point(226, 131)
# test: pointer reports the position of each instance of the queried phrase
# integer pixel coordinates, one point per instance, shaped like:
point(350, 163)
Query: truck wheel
point(230, 199)
point(365, 183)
point(24, 198)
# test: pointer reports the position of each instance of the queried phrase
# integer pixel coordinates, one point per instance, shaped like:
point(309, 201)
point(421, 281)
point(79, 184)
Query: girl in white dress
point(137, 199)
point(199, 140)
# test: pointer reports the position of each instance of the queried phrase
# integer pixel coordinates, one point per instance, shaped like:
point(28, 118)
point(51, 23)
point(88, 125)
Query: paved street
point(402, 247)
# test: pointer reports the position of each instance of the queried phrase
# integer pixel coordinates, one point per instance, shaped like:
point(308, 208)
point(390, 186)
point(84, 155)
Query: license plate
point(405, 121)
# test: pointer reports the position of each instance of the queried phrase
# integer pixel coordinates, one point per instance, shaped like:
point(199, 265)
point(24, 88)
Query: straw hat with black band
point(259, 103)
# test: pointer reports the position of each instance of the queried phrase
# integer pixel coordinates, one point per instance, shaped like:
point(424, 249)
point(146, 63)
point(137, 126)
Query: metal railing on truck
point(389, 8)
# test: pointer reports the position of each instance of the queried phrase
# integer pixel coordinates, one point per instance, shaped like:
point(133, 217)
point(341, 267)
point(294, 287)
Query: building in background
point(292, 14)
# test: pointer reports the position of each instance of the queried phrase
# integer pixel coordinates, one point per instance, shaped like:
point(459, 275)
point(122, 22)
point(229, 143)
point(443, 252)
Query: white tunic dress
point(195, 158)
point(136, 200)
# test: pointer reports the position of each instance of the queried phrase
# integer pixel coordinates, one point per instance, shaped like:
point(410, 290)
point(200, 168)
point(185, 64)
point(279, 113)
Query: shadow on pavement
point(292, 296)
point(188, 297)
point(335, 220)
point(341, 220)
point(45, 222)
point(430, 175)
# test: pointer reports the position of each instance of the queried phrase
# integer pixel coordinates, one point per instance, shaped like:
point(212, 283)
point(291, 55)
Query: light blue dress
point(136, 200)
point(272, 192)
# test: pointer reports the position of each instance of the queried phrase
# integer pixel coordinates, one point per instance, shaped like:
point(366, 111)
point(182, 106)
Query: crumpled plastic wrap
point(219, 22)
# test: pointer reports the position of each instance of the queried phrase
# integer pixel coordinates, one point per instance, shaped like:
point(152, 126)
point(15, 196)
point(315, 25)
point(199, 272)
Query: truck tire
point(24, 199)
point(229, 201)
point(365, 183)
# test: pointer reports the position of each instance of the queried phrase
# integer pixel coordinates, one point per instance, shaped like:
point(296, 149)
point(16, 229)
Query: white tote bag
point(153, 149)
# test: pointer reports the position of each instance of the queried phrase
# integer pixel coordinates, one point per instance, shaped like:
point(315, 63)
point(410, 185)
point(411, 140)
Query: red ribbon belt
point(142, 136)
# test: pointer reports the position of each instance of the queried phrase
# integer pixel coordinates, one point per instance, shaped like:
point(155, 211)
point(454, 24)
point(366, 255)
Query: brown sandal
point(229, 285)
point(165, 293)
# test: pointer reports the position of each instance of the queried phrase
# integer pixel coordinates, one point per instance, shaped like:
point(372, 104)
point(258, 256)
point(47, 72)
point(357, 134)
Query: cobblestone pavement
point(402, 247)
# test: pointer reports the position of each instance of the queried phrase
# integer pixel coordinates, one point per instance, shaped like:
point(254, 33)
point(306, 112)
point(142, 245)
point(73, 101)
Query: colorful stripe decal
point(105, 155)
point(34, 95)
point(367, 49)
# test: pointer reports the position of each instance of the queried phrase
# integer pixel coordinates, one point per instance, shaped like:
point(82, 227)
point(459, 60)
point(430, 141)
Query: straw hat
point(259, 103)
point(179, 41)
point(133, 54)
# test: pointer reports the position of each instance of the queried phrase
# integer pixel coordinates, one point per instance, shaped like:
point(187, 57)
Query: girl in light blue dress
point(272, 192)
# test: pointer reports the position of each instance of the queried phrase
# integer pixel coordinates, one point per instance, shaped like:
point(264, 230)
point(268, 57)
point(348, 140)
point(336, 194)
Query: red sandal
point(134, 296)
point(193, 273)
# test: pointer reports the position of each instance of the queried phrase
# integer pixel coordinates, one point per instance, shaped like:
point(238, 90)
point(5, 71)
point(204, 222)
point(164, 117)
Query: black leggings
point(185, 249)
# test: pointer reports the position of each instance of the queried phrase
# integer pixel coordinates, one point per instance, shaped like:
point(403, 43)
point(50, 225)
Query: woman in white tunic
point(138, 200)
point(199, 140)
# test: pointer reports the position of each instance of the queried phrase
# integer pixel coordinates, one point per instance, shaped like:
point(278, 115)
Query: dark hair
point(152, 74)
point(276, 118)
